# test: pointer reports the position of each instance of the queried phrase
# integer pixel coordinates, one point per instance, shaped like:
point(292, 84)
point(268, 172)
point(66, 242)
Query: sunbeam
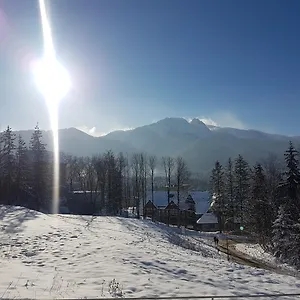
point(53, 81)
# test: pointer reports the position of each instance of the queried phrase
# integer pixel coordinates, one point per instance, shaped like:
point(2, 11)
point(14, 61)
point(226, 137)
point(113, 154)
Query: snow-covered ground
point(56, 256)
point(257, 252)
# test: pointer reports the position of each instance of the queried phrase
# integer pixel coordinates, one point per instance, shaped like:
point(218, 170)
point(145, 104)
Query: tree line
point(24, 172)
point(113, 182)
point(263, 200)
point(109, 181)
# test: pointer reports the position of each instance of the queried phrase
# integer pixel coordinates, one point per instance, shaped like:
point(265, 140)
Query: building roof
point(201, 199)
point(208, 218)
point(172, 205)
point(150, 205)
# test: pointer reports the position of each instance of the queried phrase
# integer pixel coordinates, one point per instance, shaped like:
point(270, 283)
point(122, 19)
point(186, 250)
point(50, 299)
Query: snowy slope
point(46, 256)
point(254, 250)
point(257, 252)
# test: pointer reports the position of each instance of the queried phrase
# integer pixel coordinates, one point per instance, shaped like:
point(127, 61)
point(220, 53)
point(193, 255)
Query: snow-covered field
point(48, 256)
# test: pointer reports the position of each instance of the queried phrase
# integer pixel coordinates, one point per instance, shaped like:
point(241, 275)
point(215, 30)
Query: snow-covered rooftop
point(208, 218)
point(202, 199)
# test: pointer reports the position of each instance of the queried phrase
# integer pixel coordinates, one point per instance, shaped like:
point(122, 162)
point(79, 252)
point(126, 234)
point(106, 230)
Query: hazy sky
point(234, 63)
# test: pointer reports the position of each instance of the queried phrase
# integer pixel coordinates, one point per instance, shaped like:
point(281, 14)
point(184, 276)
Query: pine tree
point(260, 210)
point(241, 189)
point(294, 249)
point(39, 170)
point(218, 193)
point(8, 163)
point(282, 234)
point(286, 227)
point(229, 195)
point(22, 167)
point(291, 185)
point(273, 175)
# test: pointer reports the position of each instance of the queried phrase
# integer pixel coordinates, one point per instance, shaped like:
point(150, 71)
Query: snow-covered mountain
point(202, 145)
point(199, 144)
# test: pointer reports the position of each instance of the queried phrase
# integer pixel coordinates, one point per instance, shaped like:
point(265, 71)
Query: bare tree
point(101, 170)
point(182, 175)
point(126, 182)
point(152, 161)
point(114, 192)
point(136, 177)
point(143, 177)
point(71, 165)
point(121, 165)
point(88, 179)
point(168, 165)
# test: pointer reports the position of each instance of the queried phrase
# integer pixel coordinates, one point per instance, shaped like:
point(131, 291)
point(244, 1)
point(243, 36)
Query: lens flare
point(53, 81)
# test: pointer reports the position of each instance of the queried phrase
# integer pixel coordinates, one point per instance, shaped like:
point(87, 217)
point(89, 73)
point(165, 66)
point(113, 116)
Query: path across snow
point(56, 256)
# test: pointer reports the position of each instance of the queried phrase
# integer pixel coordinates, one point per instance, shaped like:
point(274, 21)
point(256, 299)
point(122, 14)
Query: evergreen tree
point(291, 185)
point(8, 163)
point(218, 194)
point(22, 168)
point(286, 228)
point(229, 195)
point(283, 228)
point(260, 210)
point(39, 169)
point(241, 189)
point(273, 175)
point(294, 249)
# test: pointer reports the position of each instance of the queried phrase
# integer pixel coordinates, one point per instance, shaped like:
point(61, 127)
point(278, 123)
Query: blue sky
point(234, 63)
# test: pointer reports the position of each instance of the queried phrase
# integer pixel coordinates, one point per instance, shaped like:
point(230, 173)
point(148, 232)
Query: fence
point(241, 297)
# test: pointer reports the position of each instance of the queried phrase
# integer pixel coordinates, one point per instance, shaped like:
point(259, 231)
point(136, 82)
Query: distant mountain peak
point(196, 121)
point(200, 126)
point(173, 120)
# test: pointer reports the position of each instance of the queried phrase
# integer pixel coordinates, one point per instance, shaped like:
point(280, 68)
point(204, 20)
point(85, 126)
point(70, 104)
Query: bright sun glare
point(53, 81)
point(51, 78)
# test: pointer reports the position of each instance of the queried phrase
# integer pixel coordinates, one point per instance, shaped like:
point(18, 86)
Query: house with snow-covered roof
point(202, 199)
point(191, 205)
point(208, 222)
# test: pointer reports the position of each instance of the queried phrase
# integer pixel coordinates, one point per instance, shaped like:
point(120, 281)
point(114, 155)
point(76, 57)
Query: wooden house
point(149, 210)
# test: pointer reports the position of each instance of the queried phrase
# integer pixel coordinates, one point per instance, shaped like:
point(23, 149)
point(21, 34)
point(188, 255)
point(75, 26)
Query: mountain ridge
point(199, 144)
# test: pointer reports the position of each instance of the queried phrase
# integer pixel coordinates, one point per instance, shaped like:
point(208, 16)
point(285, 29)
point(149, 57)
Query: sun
point(51, 79)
